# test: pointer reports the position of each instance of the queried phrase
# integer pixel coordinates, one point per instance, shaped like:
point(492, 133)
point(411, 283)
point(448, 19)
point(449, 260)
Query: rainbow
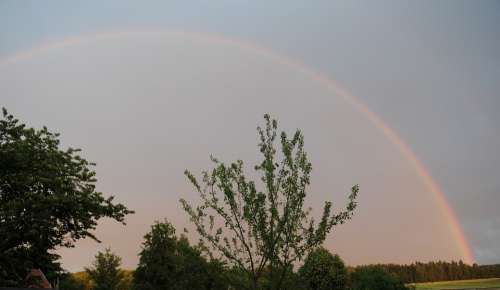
point(376, 120)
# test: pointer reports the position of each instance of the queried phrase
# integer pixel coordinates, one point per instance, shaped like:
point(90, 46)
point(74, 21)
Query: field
point(493, 283)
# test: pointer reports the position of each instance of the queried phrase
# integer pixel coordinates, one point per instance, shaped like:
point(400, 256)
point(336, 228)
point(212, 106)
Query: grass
point(461, 284)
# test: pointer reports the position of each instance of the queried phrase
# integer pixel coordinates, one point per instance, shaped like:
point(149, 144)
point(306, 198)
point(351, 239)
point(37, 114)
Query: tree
point(105, 273)
point(375, 278)
point(254, 229)
point(323, 271)
point(168, 262)
point(48, 199)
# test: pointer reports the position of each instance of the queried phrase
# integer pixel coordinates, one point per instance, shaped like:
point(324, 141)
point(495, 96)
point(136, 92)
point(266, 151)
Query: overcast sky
point(146, 107)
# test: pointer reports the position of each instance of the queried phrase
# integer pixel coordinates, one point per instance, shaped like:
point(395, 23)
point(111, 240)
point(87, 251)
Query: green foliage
point(83, 278)
point(323, 271)
point(375, 278)
point(128, 279)
point(237, 278)
point(105, 273)
point(442, 271)
point(266, 230)
point(69, 282)
point(279, 278)
point(47, 200)
point(168, 262)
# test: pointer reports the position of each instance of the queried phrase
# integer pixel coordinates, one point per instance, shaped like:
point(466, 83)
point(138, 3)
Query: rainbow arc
point(376, 120)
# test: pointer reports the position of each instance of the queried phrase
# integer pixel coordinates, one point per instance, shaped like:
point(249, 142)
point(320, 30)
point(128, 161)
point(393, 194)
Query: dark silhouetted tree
point(48, 200)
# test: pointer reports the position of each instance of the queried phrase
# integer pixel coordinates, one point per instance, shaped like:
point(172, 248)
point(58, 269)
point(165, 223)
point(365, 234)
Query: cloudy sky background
point(430, 69)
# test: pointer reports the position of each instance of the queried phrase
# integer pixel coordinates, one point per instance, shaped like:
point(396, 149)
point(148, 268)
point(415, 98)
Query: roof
point(37, 279)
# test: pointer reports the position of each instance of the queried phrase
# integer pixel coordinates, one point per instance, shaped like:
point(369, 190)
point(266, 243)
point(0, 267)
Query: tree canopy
point(265, 228)
point(441, 271)
point(323, 271)
point(374, 277)
point(168, 262)
point(105, 273)
point(48, 199)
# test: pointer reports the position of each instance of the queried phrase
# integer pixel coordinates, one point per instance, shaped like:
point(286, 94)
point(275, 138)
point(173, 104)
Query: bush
point(375, 278)
point(69, 282)
point(322, 270)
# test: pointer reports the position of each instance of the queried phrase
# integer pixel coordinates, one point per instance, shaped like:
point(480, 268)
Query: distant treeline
point(442, 271)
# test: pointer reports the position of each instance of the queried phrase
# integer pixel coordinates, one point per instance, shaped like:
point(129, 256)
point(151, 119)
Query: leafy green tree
point(168, 262)
point(375, 278)
point(323, 271)
point(105, 273)
point(48, 199)
point(254, 229)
